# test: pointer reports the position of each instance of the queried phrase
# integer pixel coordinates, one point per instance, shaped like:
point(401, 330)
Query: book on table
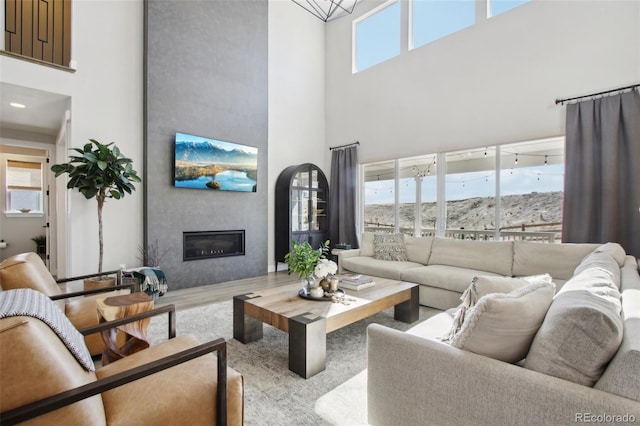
point(356, 278)
point(356, 281)
point(355, 286)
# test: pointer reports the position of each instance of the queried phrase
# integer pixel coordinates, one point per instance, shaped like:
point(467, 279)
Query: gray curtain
point(343, 196)
point(602, 172)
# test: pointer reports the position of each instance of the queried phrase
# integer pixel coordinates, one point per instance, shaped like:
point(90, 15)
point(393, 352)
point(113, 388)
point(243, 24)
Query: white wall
point(106, 104)
point(296, 96)
point(492, 83)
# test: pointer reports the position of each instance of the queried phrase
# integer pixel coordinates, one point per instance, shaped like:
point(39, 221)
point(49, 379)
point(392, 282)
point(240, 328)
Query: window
point(496, 7)
point(418, 195)
point(379, 197)
point(508, 192)
point(377, 36)
point(431, 20)
point(24, 186)
point(531, 189)
point(470, 194)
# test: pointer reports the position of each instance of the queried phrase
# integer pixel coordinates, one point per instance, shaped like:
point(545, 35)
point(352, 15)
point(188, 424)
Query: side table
point(117, 307)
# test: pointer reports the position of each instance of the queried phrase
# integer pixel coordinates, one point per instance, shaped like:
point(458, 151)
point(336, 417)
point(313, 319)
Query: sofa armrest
point(411, 379)
point(93, 291)
point(117, 273)
point(62, 399)
point(344, 254)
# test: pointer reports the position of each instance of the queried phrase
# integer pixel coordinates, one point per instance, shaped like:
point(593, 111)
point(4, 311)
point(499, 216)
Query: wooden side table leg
point(111, 351)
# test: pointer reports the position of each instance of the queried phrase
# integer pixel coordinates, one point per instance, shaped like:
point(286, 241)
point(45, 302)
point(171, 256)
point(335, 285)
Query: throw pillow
point(366, 245)
point(582, 330)
point(389, 247)
point(483, 285)
point(502, 326)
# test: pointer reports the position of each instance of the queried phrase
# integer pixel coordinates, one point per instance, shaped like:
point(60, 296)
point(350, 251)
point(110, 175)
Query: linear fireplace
point(207, 244)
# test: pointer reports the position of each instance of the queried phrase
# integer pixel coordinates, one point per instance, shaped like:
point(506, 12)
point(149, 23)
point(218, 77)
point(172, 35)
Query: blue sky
point(378, 36)
point(461, 186)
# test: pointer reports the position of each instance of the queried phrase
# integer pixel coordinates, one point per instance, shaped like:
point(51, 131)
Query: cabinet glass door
point(299, 210)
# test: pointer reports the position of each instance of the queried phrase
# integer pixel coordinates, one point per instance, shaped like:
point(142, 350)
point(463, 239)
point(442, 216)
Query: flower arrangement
point(303, 259)
point(325, 267)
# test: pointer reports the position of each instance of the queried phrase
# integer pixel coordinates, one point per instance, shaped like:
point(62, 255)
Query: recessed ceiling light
point(17, 105)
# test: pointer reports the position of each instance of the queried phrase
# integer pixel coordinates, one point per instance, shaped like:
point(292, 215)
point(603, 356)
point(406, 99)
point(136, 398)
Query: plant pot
point(99, 282)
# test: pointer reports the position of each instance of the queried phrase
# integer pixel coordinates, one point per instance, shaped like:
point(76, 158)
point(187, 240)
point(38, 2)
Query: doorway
point(34, 128)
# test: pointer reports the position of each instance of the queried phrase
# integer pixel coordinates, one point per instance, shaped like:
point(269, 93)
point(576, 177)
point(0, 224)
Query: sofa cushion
point(366, 245)
point(193, 383)
point(451, 278)
point(502, 325)
point(391, 269)
point(487, 284)
point(489, 256)
point(582, 330)
point(389, 247)
point(482, 285)
point(418, 249)
point(557, 260)
point(603, 261)
point(621, 376)
point(615, 250)
point(434, 327)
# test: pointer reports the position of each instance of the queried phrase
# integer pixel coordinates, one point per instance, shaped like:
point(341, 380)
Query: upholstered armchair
point(27, 270)
point(47, 378)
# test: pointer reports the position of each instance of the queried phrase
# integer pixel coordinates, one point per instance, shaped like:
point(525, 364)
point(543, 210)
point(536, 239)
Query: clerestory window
point(376, 36)
point(432, 20)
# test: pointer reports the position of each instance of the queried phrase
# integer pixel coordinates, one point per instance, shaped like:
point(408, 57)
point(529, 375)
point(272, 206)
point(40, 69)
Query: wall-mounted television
point(212, 164)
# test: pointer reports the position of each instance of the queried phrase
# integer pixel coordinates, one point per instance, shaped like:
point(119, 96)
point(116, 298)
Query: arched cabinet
point(302, 201)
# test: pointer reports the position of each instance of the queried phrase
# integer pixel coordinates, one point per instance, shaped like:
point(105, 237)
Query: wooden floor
point(214, 293)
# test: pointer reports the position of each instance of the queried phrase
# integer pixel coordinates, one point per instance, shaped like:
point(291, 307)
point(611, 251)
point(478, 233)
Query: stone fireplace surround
point(206, 74)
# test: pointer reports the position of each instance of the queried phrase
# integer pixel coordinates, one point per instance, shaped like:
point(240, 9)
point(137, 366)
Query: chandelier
point(326, 10)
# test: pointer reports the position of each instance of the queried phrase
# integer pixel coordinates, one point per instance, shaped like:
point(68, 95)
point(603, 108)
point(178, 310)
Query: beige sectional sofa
point(444, 267)
point(576, 341)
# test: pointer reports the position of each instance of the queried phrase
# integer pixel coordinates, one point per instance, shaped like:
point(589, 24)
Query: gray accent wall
point(205, 74)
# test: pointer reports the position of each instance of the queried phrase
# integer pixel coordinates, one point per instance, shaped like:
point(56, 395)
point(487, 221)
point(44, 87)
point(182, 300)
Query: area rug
point(274, 395)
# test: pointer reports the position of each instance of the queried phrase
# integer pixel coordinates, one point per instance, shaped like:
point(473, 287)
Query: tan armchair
point(27, 270)
point(177, 382)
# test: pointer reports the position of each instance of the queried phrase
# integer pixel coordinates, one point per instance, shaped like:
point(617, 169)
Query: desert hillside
point(477, 213)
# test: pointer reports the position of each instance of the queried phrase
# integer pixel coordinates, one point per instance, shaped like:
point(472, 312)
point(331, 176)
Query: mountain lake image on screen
point(211, 164)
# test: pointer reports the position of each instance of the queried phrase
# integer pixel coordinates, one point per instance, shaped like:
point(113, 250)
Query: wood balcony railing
point(542, 236)
point(39, 30)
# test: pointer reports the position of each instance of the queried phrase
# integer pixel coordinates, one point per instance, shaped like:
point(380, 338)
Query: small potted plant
point(303, 259)
point(41, 244)
point(99, 171)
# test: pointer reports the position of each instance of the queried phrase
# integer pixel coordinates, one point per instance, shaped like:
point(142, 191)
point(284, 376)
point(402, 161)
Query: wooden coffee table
point(308, 321)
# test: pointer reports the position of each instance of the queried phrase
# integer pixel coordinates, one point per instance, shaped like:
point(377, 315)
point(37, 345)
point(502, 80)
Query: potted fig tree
point(99, 171)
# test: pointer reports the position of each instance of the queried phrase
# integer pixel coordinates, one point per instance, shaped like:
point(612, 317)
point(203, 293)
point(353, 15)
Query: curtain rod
point(562, 101)
point(331, 148)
